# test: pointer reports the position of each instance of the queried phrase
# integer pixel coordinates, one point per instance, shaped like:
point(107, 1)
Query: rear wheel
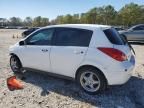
point(91, 80)
point(15, 64)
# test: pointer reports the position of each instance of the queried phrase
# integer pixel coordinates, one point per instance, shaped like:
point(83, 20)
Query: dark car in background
point(135, 33)
point(118, 28)
point(29, 31)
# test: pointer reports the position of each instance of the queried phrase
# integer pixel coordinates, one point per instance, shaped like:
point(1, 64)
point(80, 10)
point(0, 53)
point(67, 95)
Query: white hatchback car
point(94, 55)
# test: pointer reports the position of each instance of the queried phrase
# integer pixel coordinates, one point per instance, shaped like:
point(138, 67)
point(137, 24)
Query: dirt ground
point(42, 91)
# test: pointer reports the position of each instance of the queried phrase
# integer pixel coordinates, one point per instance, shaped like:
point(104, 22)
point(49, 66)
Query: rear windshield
point(114, 36)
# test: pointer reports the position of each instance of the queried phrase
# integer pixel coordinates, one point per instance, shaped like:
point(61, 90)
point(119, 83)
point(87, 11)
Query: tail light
point(114, 53)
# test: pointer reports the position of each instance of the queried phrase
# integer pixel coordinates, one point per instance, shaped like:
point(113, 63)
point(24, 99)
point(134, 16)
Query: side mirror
point(21, 43)
point(131, 30)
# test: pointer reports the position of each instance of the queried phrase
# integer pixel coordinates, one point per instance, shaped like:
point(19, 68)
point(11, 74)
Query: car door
point(136, 33)
point(69, 50)
point(35, 54)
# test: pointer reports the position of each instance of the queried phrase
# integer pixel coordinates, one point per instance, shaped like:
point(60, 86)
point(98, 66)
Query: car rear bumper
point(121, 75)
point(118, 78)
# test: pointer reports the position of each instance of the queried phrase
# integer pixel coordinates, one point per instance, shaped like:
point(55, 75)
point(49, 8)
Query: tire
point(15, 64)
point(91, 80)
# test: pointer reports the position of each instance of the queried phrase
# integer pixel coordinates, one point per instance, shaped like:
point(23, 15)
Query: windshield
point(114, 36)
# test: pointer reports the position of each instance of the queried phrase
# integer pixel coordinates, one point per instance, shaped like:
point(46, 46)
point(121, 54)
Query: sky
point(52, 8)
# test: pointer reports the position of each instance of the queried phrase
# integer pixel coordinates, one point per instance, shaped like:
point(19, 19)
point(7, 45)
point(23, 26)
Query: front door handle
point(44, 50)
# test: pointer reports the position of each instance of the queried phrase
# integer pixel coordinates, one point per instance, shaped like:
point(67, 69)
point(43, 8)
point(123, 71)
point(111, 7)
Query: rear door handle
point(44, 50)
point(78, 52)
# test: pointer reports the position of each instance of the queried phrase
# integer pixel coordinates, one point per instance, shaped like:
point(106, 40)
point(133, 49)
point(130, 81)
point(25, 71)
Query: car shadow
point(130, 93)
point(136, 43)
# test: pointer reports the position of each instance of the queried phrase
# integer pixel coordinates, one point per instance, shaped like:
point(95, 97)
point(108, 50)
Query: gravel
point(43, 91)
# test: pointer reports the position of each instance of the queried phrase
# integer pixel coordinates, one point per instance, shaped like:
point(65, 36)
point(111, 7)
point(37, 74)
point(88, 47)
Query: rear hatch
point(118, 42)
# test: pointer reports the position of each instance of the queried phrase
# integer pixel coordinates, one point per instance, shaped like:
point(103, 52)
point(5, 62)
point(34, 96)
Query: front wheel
point(91, 80)
point(15, 64)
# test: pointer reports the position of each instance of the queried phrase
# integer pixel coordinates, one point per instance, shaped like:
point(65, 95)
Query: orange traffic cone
point(14, 84)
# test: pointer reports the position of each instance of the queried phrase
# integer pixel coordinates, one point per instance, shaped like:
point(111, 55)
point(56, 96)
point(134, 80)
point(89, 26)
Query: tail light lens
point(114, 53)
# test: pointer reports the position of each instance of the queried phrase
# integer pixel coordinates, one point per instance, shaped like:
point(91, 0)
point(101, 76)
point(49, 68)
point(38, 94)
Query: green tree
point(131, 14)
point(68, 19)
point(40, 22)
point(91, 16)
point(100, 15)
point(15, 21)
point(76, 18)
point(37, 21)
point(83, 18)
point(59, 20)
point(28, 21)
point(105, 15)
point(44, 22)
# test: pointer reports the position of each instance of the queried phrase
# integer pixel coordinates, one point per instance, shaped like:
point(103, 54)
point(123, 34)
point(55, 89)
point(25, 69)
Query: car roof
point(82, 26)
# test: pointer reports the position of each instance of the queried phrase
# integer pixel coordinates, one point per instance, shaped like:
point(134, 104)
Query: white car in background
point(94, 55)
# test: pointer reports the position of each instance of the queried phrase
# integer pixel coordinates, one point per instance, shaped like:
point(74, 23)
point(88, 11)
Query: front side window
point(42, 37)
point(72, 37)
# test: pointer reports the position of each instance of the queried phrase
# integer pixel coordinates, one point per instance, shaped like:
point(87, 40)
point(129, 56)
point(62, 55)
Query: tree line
point(128, 15)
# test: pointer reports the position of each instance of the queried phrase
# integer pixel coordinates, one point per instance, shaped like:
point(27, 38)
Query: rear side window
point(114, 36)
point(139, 28)
point(72, 37)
